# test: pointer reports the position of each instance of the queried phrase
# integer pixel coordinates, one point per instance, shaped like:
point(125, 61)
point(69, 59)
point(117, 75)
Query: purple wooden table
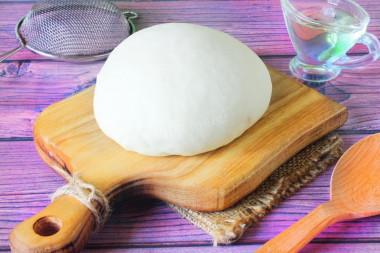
point(29, 83)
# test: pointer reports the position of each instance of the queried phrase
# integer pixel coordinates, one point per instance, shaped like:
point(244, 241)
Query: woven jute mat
point(228, 226)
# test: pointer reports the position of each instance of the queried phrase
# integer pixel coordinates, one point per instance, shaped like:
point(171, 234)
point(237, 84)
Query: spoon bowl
point(354, 193)
point(355, 182)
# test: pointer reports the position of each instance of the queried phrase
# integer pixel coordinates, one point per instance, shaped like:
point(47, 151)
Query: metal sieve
point(73, 30)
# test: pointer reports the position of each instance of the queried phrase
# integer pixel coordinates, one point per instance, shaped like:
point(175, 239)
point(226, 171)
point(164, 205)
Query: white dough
point(180, 89)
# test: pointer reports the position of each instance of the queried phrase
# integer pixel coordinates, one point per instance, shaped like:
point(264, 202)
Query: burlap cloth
point(228, 226)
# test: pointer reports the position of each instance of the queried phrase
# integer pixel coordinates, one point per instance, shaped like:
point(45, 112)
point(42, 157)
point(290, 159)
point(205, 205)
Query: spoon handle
point(300, 233)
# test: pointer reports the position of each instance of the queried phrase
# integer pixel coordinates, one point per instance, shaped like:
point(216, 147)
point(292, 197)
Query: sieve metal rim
point(82, 58)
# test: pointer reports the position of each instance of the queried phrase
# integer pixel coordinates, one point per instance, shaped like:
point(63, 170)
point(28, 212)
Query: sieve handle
point(129, 15)
point(10, 53)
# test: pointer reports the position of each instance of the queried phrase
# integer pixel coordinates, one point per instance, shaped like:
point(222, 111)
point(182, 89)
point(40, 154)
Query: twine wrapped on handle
point(85, 193)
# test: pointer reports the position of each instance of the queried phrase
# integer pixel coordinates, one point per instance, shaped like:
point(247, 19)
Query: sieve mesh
point(73, 29)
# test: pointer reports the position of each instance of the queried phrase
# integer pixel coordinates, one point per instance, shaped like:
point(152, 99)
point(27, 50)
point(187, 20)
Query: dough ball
point(180, 89)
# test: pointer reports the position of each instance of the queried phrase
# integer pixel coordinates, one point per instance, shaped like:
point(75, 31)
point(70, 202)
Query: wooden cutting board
point(66, 135)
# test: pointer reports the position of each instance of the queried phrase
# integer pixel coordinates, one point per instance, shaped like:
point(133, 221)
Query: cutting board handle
point(63, 226)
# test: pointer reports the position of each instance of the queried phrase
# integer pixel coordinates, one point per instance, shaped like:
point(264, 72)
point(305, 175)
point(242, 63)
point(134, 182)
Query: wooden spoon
point(355, 193)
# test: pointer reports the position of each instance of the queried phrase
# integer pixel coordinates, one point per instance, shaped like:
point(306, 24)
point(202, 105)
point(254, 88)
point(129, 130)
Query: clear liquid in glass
point(316, 45)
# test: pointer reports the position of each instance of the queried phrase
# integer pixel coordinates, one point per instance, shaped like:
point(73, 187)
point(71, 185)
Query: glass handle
point(373, 46)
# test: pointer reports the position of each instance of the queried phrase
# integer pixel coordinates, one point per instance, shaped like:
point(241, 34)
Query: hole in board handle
point(47, 226)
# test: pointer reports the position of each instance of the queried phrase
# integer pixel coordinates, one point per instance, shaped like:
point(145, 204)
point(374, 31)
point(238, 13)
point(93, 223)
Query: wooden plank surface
point(257, 23)
point(29, 87)
point(29, 83)
point(141, 223)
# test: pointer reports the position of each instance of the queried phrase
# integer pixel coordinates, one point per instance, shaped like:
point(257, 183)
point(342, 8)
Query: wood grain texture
point(147, 225)
point(70, 138)
point(257, 23)
point(328, 247)
point(66, 135)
